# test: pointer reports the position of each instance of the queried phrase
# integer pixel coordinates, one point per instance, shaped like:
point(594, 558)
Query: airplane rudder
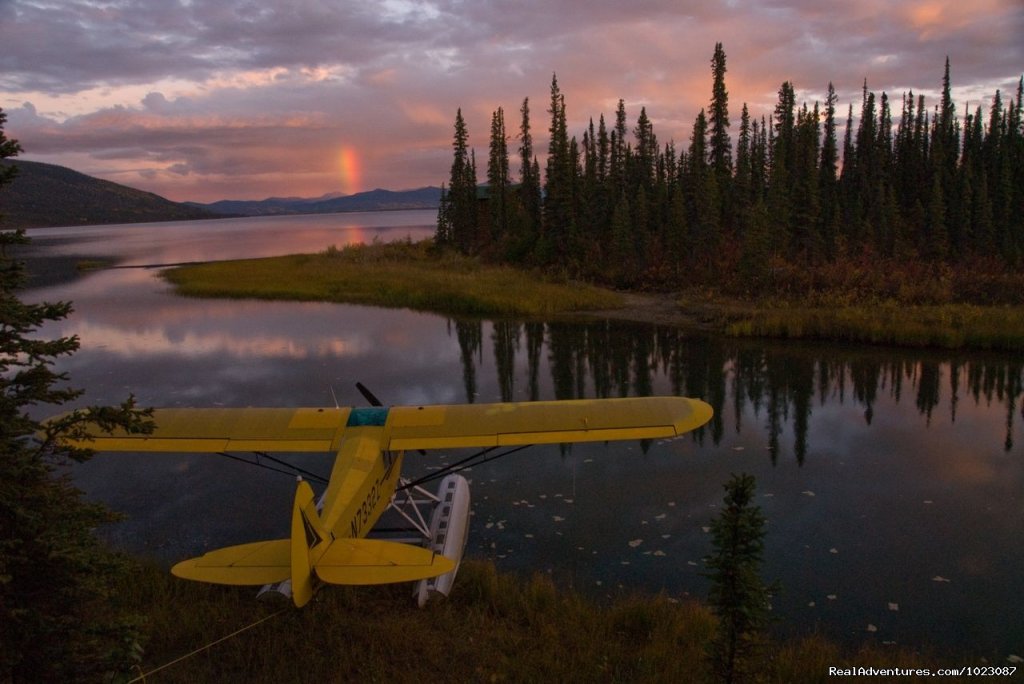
point(301, 533)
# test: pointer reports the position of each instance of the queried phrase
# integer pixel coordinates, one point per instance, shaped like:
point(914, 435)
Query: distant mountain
point(372, 200)
point(44, 195)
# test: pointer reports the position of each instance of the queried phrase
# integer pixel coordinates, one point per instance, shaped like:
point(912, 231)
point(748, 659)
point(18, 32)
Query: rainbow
point(350, 170)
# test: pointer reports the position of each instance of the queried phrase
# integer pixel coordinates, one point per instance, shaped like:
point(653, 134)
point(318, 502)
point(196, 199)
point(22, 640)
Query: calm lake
point(892, 480)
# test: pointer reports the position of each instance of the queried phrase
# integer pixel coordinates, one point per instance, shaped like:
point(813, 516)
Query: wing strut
point(294, 468)
point(464, 464)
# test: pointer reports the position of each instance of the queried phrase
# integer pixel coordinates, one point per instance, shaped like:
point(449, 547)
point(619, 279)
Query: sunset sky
point(243, 99)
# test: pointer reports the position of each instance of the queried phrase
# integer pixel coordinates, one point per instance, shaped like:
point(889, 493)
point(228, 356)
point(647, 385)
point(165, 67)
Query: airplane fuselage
point(362, 482)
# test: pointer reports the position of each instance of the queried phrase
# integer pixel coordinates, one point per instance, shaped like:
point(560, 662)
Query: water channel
point(892, 480)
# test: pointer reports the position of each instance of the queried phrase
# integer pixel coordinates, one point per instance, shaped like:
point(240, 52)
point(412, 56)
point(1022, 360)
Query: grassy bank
point(493, 628)
point(402, 274)
point(949, 326)
point(849, 305)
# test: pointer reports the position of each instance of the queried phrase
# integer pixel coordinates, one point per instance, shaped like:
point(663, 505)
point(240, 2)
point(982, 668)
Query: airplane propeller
point(370, 396)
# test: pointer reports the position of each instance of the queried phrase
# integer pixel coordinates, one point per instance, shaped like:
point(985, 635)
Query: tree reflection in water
point(783, 381)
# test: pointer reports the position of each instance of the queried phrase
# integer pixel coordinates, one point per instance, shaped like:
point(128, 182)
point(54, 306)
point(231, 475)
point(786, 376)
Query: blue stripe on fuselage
point(367, 417)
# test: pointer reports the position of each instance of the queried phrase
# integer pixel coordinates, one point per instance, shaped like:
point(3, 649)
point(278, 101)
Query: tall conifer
point(529, 184)
point(705, 220)
point(738, 595)
point(780, 202)
point(827, 180)
point(617, 162)
point(719, 141)
point(498, 179)
point(457, 218)
point(742, 181)
point(559, 221)
point(806, 234)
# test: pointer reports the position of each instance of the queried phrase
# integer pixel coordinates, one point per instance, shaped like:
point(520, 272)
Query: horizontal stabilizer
point(257, 563)
point(373, 561)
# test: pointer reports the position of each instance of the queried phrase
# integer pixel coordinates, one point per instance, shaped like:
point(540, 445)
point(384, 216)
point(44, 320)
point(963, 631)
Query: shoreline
point(965, 327)
point(414, 276)
point(472, 288)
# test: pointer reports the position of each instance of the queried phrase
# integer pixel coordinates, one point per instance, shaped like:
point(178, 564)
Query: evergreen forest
point(918, 206)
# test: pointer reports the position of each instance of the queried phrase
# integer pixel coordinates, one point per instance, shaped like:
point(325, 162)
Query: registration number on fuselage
point(383, 484)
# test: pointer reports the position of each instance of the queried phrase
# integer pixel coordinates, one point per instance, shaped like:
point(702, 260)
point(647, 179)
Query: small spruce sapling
point(738, 595)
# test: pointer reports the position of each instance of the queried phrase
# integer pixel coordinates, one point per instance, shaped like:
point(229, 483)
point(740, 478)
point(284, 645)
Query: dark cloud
point(73, 45)
point(194, 97)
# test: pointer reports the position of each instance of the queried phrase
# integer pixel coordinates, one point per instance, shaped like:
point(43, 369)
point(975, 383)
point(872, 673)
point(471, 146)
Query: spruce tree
point(719, 141)
point(603, 151)
point(592, 208)
point(807, 242)
point(738, 595)
point(705, 220)
point(1012, 174)
point(618, 154)
point(783, 157)
point(498, 180)
point(529, 183)
point(864, 178)
point(882, 216)
point(945, 145)
point(646, 152)
point(758, 161)
point(443, 231)
point(60, 617)
point(559, 219)
point(742, 182)
point(848, 199)
point(457, 221)
point(998, 175)
point(589, 210)
point(827, 181)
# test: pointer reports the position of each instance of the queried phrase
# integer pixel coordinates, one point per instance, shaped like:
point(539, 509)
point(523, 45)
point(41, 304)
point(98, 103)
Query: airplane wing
point(544, 422)
point(232, 429)
point(413, 427)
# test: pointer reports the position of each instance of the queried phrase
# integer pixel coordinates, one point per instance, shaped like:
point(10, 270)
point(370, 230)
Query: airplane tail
point(309, 541)
point(313, 550)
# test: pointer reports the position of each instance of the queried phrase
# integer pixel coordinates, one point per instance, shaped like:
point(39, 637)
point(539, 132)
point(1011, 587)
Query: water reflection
point(781, 381)
point(889, 477)
point(171, 242)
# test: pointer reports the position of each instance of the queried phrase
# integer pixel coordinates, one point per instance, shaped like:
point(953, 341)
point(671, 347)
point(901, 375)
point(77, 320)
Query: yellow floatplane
point(328, 541)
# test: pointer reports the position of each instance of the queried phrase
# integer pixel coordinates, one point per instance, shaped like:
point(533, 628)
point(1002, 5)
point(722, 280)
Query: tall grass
point(946, 325)
point(494, 627)
point(401, 275)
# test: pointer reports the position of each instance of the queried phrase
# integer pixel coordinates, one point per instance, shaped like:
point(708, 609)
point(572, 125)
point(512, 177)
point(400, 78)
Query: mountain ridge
point(47, 195)
point(378, 199)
